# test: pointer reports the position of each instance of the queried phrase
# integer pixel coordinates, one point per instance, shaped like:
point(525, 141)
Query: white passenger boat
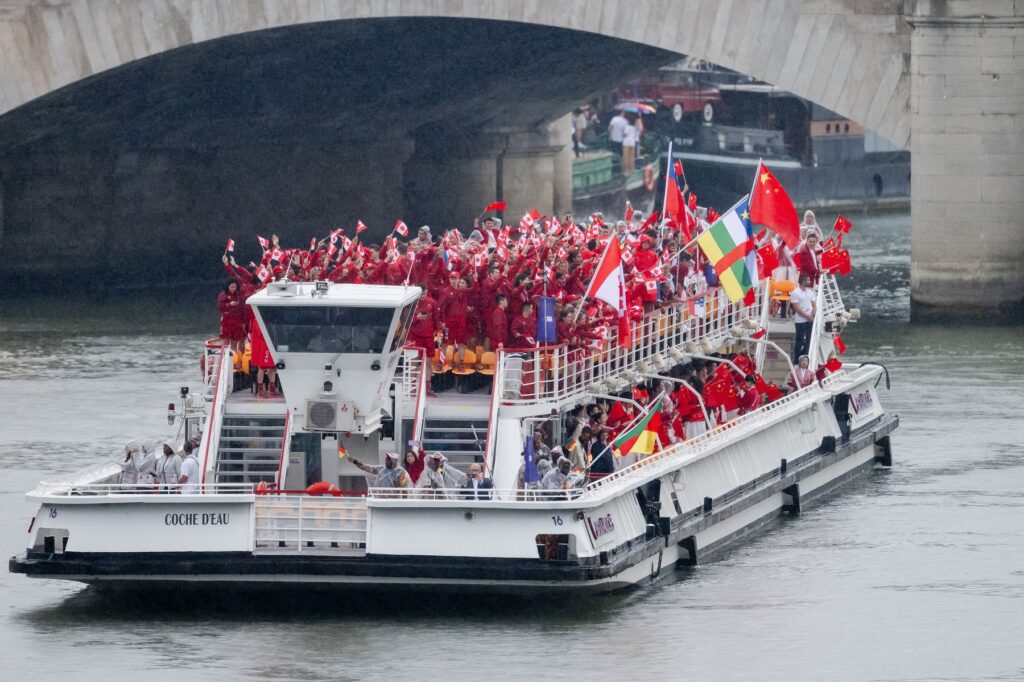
point(351, 386)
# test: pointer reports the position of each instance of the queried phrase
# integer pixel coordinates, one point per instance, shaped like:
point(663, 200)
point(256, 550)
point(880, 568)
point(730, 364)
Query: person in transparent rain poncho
point(438, 476)
point(137, 465)
point(560, 477)
point(387, 475)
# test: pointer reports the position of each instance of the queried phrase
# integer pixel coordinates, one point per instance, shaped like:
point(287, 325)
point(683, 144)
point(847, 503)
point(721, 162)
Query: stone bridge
point(151, 129)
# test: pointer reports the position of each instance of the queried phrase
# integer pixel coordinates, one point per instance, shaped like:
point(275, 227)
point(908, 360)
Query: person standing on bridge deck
point(616, 128)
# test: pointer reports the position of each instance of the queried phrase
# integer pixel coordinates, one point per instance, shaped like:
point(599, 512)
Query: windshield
point(319, 329)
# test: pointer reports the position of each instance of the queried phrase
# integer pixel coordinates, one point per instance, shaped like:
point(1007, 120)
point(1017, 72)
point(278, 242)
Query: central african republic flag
point(729, 245)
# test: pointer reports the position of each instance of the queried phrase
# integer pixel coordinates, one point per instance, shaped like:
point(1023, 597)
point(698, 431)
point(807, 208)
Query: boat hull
point(690, 538)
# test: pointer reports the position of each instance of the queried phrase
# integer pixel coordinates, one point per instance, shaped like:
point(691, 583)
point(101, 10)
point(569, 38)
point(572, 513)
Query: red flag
point(840, 346)
point(759, 334)
point(692, 204)
point(834, 365)
point(496, 206)
point(750, 296)
point(842, 225)
point(712, 215)
point(627, 256)
point(651, 219)
point(360, 227)
point(767, 260)
point(312, 243)
point(629, 211)
point(264, 244)
point(770, 206)
point(772, 392)
point(401, 228)
point(263, 273)
point(276, 254)
point(230, 247)
point(836, 260)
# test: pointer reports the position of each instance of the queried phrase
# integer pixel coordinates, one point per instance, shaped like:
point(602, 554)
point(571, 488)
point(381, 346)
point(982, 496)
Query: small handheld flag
point(230, 247)
point(496, 206)
point(401, 228)
point(360, 227)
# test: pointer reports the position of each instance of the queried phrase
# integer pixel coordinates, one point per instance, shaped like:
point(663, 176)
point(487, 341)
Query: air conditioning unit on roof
point(330, 415)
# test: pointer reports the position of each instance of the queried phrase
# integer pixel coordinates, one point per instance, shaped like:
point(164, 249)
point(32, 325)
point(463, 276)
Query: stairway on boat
point(455, 424)
point(250, 448)
point(461, 441)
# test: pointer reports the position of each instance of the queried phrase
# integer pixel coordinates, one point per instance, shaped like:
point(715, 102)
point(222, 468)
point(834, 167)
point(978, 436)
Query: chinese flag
point(759, 334)
point(496, 206)
point(692, 204)
point(770, 206)
point(842, 225)
point(712, 215)
point(629, 211)
point(840, 346)
point(767, 261)
point(834, 365)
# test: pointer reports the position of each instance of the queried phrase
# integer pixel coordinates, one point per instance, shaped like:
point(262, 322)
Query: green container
point(592, 171)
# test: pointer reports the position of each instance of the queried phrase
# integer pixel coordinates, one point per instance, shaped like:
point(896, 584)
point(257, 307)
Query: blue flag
point(530, 474)
point(546, 327)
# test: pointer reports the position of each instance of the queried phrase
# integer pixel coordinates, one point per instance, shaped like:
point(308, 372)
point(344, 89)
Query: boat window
point(320, 329)
point(404, 322)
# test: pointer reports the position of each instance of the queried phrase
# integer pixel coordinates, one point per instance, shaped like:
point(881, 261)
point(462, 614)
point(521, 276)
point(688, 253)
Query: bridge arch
point(847, 55)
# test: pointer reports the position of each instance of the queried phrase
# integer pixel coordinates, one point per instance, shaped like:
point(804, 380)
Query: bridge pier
point(967, 162)
point(525, 167)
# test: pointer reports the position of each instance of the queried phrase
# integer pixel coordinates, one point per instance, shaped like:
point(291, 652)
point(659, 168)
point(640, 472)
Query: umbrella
point(636, 107)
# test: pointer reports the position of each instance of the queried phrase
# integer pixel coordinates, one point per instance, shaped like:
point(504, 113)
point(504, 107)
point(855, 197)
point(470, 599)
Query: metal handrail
point(447, 495)
point(557, 372)
point(211, 429)
point(300, 522)
point(148, 489)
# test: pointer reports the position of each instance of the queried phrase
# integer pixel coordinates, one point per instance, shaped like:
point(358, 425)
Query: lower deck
point(331, 555)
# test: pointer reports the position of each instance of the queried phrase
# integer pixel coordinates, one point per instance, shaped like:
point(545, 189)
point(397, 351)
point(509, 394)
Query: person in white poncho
point(137, 465)
point(388, 475)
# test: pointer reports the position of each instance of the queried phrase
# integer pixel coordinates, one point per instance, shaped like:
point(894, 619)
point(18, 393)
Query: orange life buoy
point(261, 487)
point(323, 488)
point(649, 177)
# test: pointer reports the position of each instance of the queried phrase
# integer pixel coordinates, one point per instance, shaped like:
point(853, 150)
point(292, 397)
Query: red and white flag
point(264, 244)
point(627, 256)
point(263, 273)
point(501, 251)
point(563, 255)
point(277, 254)
point(401, 228)
point(230, 247)
point(312, 243)
point(609, 285)
point(360, 227)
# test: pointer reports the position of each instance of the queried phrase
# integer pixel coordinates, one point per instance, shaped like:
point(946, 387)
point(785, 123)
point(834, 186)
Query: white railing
point(286, 446)
point(303, 523)
point(222, 385)
point(461, 495)
point(766, 307)
point(410, 373)
point(664, 460)
point(107, 489)
point(831, 299)
point(497, 381)
point(553, 373)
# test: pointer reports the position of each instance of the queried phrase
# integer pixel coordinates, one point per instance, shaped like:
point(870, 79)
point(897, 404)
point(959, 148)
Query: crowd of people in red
point(482, 290)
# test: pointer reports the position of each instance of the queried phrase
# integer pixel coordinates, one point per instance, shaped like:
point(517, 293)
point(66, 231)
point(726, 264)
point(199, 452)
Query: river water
point(911, 574)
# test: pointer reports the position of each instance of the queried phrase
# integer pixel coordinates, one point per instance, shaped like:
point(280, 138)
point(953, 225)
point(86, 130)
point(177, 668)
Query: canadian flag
point(264, 244)
point(312, 243)
point(332, 249)
point(627, 256)
point(230, 246)
point(360, 227)
point(401, 228)
point(562, 254)
point(609, 285)
point(501, 251)
point(276, 254)
point(263, 273)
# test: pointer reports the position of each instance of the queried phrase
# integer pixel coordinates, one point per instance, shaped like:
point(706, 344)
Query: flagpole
point(664, 198)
